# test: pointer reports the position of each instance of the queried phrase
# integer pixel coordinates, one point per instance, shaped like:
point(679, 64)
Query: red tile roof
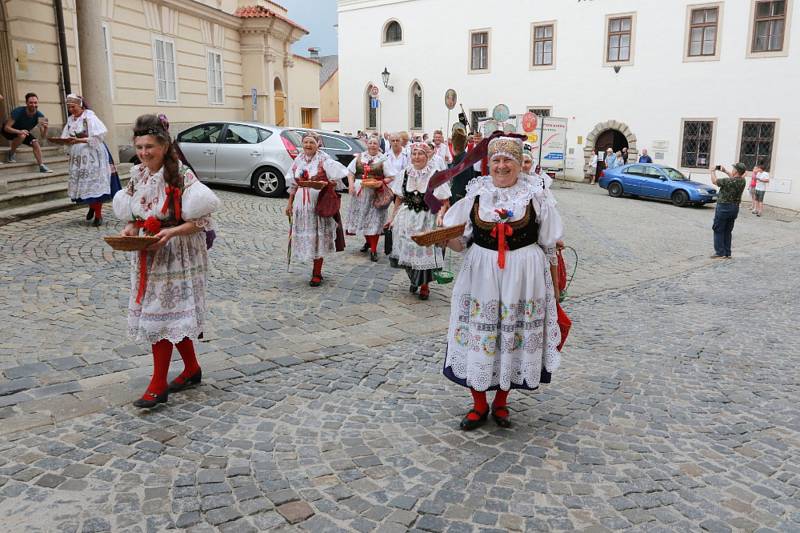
point(250, 12)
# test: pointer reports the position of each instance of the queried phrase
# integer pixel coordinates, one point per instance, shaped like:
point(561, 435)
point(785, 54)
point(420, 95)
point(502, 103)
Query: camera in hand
point(718, 167)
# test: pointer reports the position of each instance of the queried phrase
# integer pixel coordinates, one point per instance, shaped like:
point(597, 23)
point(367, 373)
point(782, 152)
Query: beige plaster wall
point(304, 90)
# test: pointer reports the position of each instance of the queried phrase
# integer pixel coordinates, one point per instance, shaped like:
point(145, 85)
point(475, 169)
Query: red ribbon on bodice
point(174, 194)
point(152, 225)
point(500, 231)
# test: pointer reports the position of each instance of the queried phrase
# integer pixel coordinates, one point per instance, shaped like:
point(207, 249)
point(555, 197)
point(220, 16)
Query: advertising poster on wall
point(549, 143)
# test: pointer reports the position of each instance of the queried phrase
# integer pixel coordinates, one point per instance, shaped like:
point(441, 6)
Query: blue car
point(656, 181)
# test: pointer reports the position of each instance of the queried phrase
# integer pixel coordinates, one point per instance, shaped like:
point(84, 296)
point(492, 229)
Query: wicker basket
point(429, 238)
point(129, 244)
point(370, 183)
point(312, 184)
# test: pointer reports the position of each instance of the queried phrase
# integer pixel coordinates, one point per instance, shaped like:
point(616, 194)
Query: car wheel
point(615, 189)
point(680, 198)
point(269, 182)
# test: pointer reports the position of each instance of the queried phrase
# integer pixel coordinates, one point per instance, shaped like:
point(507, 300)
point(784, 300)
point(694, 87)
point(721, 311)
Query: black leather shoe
point(178, 384)
point(97, 222)
point(501, 420)
point(412, 289)
point(373, 256)
point(365, 248)
point(468, 425)
point(315, 281)
point(90, 214)
point(150, 399)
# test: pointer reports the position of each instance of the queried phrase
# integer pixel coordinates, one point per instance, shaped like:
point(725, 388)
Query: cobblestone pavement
point(674, 410)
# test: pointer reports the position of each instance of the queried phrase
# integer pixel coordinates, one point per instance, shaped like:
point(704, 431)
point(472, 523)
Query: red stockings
point(480, 404)
point(372, 240)
point(162, 354)
point(190, 365)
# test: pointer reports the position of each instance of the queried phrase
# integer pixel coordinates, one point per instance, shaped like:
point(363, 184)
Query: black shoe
point(501, 421)
point(97, 222)
point(412, 289)
point(90, 214)
point(365, 248)
point(150, 399)
point(468, 425)
point(178, 384)
point(373, 256)
point(315, 281)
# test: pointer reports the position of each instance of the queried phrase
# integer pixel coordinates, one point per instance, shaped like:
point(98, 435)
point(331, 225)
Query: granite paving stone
point(674, 408)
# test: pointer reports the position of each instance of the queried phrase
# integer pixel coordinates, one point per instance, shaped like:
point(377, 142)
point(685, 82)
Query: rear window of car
point(334, 143)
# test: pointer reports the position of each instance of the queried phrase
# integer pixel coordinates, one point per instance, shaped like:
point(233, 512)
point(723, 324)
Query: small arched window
point(416, 106)
point(393, 33)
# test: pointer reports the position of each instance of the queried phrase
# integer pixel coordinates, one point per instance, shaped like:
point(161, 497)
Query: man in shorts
point(19, 129)
point(761, 177)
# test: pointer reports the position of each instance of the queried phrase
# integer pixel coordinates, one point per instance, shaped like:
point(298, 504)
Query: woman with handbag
point(504, 330)
point(412, 216)
point(368, 209)
point(167, 305)
point(317, 229)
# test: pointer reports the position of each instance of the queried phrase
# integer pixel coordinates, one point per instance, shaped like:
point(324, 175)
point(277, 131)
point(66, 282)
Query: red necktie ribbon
point(500, 231)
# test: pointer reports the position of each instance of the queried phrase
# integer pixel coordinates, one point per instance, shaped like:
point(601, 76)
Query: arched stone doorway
point(609, 134)
point(280, 103)
point(7, 74)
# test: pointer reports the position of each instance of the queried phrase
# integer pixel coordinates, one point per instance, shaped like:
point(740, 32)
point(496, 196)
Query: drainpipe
point(62, 49)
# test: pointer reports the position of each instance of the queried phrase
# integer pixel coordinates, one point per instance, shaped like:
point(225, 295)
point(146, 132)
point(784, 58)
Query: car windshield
point(674, 175)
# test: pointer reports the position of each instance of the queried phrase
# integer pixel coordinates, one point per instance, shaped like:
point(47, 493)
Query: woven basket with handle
point(438, 235)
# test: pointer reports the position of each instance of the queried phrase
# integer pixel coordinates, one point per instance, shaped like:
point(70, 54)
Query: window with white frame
point(216, 92)
point(756, 142)
point(696, 143)
point(769, 26)
point(543, 44)
point(620, 38)
point(165, 70)
point(479, 50)
point(703, 32)
point(108, 51)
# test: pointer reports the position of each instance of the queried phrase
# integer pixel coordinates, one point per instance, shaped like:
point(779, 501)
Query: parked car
point(250, 154)
point(656, 181)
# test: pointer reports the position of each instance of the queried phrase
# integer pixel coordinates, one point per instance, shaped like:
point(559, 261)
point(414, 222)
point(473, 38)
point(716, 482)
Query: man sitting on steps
point(18, 129)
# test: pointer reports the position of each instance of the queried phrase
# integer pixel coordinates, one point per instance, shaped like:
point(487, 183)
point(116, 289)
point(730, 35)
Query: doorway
point(613, 139)
point(280, 103)
point(7, 73)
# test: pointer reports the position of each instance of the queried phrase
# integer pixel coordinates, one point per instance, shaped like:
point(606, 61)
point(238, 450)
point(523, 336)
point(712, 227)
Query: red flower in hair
point(152, 225)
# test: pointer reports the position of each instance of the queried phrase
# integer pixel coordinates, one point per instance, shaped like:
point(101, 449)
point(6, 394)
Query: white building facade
point(697, 83)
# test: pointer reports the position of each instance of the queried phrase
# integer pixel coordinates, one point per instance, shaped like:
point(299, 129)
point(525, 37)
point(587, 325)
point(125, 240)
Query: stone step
point(30, 196)
point(19, 181)
point(35, 210)
point(55, 163)
point(25, 154)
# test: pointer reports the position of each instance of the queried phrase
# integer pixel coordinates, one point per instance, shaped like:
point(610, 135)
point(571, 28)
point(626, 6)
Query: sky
point(319, 18)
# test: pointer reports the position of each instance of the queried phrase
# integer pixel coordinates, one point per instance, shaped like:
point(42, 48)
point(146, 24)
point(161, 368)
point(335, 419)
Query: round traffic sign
point(501, 112)
point(374, 91)
point(528, 122)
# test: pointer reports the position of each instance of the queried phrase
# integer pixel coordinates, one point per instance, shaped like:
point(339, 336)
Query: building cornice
point(355, 5)
point(203, 11)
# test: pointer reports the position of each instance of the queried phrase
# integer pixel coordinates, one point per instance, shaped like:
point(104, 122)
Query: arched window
point(371, 111)
point(392, 32)
point(415, 96)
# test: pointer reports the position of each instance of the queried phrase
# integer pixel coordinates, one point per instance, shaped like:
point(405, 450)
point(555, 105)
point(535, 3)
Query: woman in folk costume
point(411, 216)
point(503, 332)
point(168, 280)
point(364, 218)
point(313, 236)
point(93, 177)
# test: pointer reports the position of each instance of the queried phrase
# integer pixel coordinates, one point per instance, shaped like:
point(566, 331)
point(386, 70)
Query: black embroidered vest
point(414, 200)
point(526, 230)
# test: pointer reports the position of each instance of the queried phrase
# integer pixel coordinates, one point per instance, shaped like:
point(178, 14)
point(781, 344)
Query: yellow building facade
point(193, 60)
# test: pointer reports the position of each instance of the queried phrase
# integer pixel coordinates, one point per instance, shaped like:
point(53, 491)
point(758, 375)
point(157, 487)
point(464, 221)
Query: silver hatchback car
point(250, 154)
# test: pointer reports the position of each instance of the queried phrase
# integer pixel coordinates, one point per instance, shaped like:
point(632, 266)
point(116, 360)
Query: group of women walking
point(504, 331)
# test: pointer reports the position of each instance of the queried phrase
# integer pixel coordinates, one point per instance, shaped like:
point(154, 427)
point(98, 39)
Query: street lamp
point(385, 76)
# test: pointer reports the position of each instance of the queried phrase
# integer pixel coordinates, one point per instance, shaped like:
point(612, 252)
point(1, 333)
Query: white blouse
point(334, 170)
point(366, 159)
point(418, 181)
point(146, 192)
point(87, 123)
point(515, 199)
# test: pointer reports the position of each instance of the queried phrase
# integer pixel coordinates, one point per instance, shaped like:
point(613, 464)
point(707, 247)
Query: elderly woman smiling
point(503, 330)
